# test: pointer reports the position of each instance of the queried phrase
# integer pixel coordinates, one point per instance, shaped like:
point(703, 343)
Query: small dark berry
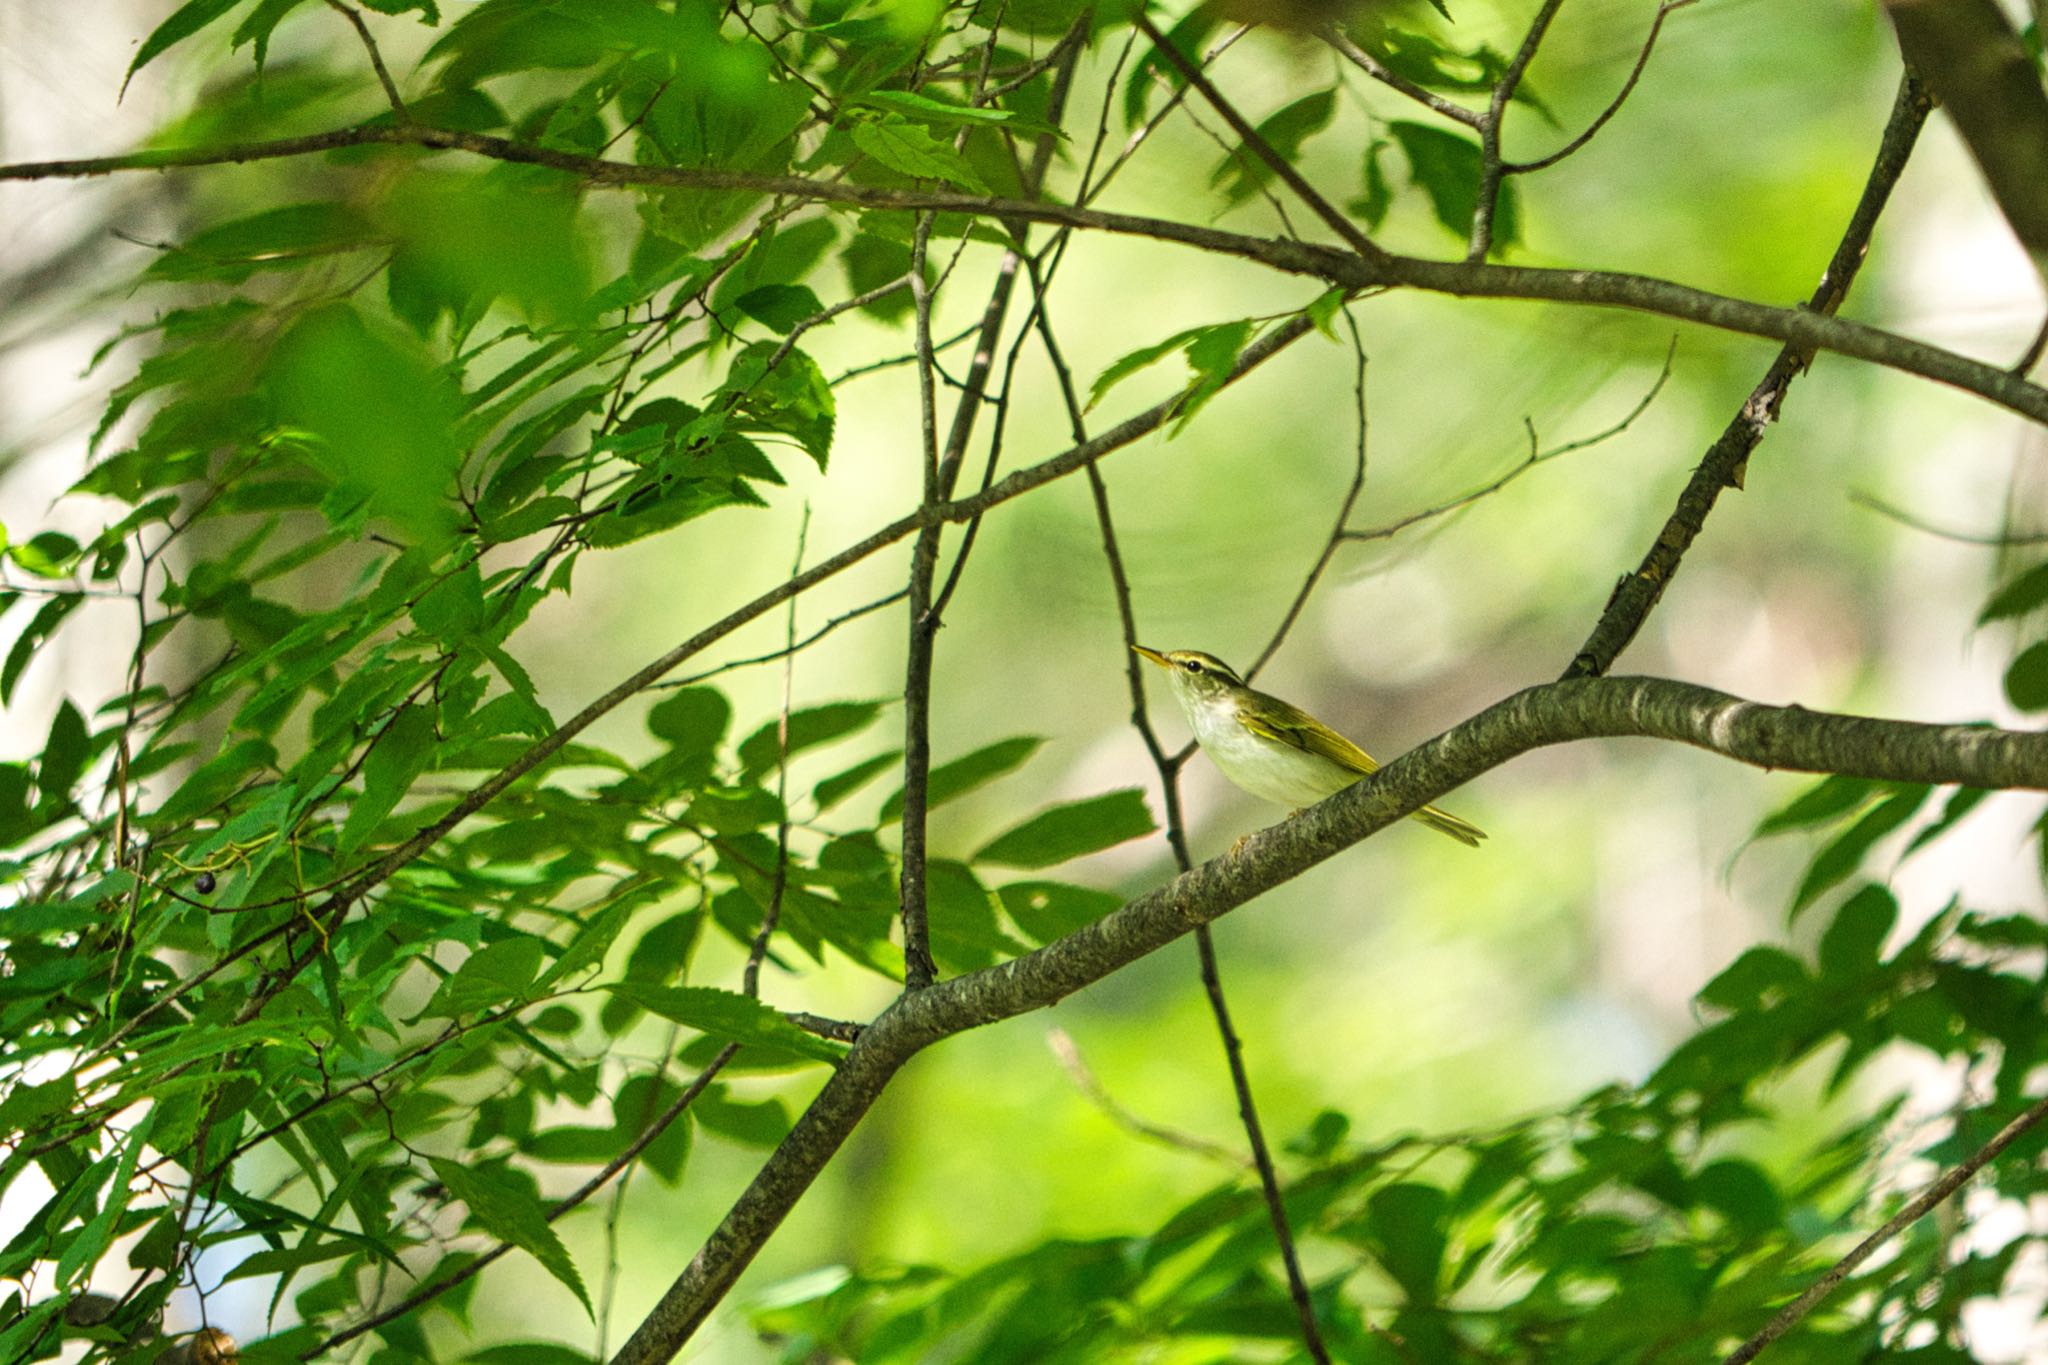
point(204, 883)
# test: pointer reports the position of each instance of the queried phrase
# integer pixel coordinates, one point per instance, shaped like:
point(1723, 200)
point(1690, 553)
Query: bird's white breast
point(1265, 768)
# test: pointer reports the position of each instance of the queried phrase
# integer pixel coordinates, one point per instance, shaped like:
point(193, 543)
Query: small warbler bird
point(1268, 747)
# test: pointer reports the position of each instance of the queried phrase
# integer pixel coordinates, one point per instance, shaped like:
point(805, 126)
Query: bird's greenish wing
point(1290, 725)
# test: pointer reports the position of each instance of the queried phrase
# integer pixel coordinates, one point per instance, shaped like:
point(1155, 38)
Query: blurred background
point(1412, 984)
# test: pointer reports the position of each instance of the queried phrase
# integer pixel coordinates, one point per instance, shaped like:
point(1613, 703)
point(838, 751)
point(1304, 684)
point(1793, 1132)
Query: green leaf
point(1960, 804)
point(91, 1243)
point(1243, 172)
point(1212, 355)
point(277, 1260)
point(64, 753)
point(260, 23)
point(757, 1123)
point(1758, 979)
point(692, 719)
point(1069, 831)
point(929, 110)
point(47, 554)
point(1446, 165)
point(1049, 910)
point(963, 775)
point(507, 1212)
point(1852, 943)
point(185, 21)
point(492, 975)
point(398, 755)
point(279, 237)
point(1826, 799)
point(808, 728)
point(1137, 360)
point(2018, 596)
point(1740, 1192)
point(907, 147)
point(1835, 863)
point(29, 643)
point(1324, 310)
point(2026, 682)
point(780, 307)
point(1404, 1224)
point(841, 785)
point(726, 1014)
point(793, 398)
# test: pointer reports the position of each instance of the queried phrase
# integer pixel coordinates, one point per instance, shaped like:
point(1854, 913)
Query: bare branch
point(1614, 107)
point(355, 18)
point(1337, 38)
point(1727, 459)
point(1086, 1081)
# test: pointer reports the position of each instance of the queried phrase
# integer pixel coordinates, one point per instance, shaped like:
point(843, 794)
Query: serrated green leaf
point(907, 147)
point(728, 1015)
point(1137, 360)
point(507, 1212)
point(398, 755)
point(1072, 830)
point(836, 788)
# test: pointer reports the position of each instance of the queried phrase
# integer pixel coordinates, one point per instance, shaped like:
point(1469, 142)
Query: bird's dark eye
point(1191, 665)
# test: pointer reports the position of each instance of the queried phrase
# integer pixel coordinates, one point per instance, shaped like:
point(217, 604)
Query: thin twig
point(1614, 106)
point(1068, 1054)
point(1491, 168)
point(1999, 539)
point(750, 977)
point(1168, 767)
point(1372, 66)
point(348, 12)
point(783, 652)
point(1345, 229)
point(1535, 457)
point(1344, 505)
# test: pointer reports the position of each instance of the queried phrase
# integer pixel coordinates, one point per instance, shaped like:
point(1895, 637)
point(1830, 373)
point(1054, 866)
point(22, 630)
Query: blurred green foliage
point(402, 453)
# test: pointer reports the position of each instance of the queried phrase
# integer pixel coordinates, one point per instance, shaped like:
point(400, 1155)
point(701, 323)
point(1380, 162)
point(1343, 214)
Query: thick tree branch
point(1771, 737)
point(1797, 326)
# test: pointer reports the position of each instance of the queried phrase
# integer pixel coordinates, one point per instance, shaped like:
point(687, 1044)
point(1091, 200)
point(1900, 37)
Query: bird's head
point(1193, 674)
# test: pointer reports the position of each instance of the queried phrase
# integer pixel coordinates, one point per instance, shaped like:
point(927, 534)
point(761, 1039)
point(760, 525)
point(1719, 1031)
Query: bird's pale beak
point(1151, 654)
